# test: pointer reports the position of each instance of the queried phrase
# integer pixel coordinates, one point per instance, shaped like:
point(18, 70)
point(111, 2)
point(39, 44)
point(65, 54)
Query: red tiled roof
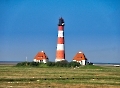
point(40, 56)
point(79, 56)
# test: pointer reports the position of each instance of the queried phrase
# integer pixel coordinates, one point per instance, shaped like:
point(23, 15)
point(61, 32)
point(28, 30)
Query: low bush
point(28, 64)
point(51, 64)
point(73, 64)
point(64, 63)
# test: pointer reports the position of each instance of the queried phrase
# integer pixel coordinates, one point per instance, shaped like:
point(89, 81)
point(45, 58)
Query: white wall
point(83, 62)
point(44, 60)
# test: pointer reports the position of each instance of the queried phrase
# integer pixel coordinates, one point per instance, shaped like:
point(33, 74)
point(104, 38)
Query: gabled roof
point(79, 56)
point(40, 56)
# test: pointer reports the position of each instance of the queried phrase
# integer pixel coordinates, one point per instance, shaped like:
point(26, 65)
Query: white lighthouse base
point(56, 60)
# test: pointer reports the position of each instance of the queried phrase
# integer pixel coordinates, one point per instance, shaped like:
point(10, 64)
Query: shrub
point(22, 64)
point(73, 64)
point(34, 64)
point(27, 64)
point(51, 64)
point(63, 63)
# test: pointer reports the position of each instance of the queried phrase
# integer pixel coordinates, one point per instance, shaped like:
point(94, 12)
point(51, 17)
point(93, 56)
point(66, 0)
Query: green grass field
point(53, 77)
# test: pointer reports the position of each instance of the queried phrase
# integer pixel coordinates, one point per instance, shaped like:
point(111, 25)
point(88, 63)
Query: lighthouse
point(60, 52)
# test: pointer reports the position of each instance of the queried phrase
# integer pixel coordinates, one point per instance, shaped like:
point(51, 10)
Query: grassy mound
point(92, 67)
point(48, 64)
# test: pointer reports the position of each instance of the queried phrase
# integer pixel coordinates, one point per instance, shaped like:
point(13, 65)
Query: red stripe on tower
point(60, 53)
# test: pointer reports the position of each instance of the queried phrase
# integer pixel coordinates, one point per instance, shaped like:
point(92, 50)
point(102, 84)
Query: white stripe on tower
point(60, 46)
point(60, 34)
point(60, 53)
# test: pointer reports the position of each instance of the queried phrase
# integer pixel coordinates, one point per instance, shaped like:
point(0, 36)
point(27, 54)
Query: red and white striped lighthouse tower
point(60, 53)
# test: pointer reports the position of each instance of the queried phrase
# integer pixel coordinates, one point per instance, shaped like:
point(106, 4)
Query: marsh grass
point(84, 77)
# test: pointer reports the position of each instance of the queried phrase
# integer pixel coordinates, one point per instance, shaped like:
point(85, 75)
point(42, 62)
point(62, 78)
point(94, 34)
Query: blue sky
point(30, 26)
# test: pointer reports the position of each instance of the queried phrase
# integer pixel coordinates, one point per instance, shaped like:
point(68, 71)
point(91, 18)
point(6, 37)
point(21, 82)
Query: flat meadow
point(59, 77)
